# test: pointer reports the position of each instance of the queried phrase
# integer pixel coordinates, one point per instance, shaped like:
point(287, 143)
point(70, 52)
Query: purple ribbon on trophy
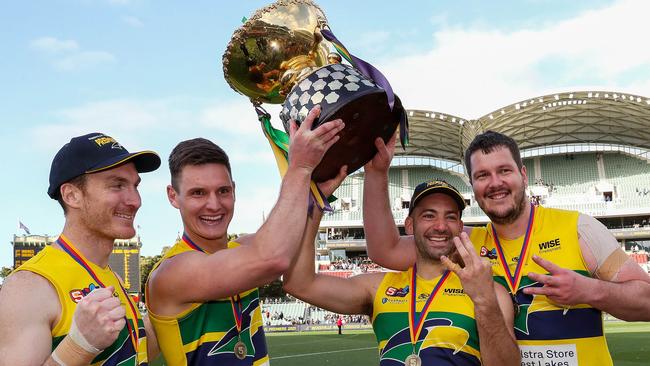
point(370, 72)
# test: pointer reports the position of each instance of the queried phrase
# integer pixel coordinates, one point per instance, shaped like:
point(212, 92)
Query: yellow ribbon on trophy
point(279, 141)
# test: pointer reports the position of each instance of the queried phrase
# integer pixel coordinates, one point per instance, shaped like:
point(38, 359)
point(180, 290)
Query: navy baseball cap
point(93, 153)
point(436, 186)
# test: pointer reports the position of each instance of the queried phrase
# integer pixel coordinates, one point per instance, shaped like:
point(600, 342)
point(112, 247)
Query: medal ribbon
point(235, 301)
point(514, 279)
point(191, 244)
point(417, 320)
point(72, 252)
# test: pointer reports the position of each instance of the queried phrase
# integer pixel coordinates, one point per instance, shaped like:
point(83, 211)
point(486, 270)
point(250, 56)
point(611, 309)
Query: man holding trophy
point(202, 296)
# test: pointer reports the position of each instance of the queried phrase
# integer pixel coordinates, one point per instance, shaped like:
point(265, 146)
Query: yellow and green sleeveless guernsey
point(72, 282)
point(449, 334)
point(545, 332)
point(206, 333)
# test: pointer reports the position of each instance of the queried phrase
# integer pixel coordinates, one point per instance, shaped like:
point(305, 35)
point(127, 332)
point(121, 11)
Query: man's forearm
point(69, 353)
point(301, 273)
point(498, 347)
point(628, 301)
point(282, 231)
point(378, 221)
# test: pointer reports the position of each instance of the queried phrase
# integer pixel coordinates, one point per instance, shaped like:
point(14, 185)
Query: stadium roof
point(581, 117)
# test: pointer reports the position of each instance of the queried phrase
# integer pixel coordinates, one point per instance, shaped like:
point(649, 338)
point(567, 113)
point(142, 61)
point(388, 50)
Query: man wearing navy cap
point(65, 306)
point(434, 313)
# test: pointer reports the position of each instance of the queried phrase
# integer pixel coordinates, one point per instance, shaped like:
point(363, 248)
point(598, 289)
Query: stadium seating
point(284, 313)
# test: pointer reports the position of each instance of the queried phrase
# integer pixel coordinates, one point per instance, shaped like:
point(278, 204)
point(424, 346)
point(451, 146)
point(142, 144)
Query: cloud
point(133, 21)
point(83, 60)
point(237, 117)
point(373, 39)
point(67, 55)
point(126, 117)
point(51, 44)
point(471, 72)
point(253, 204)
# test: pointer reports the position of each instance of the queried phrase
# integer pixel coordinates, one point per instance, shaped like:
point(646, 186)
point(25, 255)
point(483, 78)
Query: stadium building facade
point(124, 260)
point(586, 150)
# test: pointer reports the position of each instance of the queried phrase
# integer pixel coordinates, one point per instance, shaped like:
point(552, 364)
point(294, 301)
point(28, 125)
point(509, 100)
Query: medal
point(513, 279)
point(241, 351)
point(413, 360)
point(416, 321)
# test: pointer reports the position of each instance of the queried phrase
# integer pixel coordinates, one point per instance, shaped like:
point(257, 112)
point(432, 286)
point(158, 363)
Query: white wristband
point(56, 359)
point(79, 339)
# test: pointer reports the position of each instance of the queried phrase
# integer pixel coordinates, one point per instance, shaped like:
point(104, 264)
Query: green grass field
point(629, 344)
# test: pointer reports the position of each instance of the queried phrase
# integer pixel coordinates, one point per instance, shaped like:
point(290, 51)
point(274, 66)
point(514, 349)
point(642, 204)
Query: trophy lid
point(276, 47)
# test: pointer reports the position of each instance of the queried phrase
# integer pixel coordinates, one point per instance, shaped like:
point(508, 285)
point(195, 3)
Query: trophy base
point(366, 117)
point(342, 92)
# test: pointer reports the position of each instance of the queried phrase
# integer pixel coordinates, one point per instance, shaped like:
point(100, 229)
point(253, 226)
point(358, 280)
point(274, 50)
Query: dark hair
point(196, 151)
point(79, 182)
point(487, 142)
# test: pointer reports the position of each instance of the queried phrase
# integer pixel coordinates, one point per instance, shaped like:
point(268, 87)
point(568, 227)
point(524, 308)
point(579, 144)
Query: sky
point(149, 74)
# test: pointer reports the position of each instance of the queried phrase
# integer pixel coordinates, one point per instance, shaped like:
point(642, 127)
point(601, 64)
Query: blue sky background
point(149, 74)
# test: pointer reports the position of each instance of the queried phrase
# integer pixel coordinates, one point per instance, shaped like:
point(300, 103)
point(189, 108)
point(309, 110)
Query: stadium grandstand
point(586, 150)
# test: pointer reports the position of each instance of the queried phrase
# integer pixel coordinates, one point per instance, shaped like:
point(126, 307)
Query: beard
point(433, 254)
point(512, 214)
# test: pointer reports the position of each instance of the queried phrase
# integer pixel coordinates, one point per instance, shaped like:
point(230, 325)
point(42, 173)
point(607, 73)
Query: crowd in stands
point(291, 311)
point(540, 182)
point(362, 264)
point(642, 191)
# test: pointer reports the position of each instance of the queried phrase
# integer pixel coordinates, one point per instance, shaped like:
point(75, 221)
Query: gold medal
point(241, 351)
point(413, 360)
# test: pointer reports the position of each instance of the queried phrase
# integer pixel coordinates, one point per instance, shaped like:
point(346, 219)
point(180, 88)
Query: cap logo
point(104, 140)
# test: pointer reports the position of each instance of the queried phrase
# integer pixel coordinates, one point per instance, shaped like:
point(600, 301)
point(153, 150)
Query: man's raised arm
point(341, 295)
point(384, 244)
point(271, 249)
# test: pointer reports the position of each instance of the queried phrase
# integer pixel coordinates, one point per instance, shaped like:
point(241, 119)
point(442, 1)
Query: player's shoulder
point(25, 280)
point(24, 291)
point(171, 266)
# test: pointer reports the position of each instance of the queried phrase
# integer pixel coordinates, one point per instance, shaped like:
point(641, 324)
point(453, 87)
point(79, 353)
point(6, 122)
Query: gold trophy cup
point(282, 55)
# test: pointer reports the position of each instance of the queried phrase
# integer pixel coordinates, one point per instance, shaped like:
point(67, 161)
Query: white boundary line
point(323, 353)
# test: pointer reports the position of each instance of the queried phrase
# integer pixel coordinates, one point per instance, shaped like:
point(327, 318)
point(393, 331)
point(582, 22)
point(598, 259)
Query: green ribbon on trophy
point(282, 55)
point(279, 141)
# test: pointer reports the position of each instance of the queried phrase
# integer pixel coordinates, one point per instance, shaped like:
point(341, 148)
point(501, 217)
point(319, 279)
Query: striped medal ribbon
point(72, 252)
point(416, 320)
point(514, 279)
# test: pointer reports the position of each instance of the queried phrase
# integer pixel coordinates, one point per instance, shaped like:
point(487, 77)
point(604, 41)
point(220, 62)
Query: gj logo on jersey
point(77, 294)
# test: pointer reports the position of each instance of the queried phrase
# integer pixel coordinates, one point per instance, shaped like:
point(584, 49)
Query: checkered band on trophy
point(286, 53)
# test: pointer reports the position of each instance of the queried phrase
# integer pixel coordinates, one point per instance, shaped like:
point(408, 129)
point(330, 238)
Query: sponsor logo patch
point(454, 291)
point(397, 292)
point(549, 245)
point(490, 254)
point(77, 294)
